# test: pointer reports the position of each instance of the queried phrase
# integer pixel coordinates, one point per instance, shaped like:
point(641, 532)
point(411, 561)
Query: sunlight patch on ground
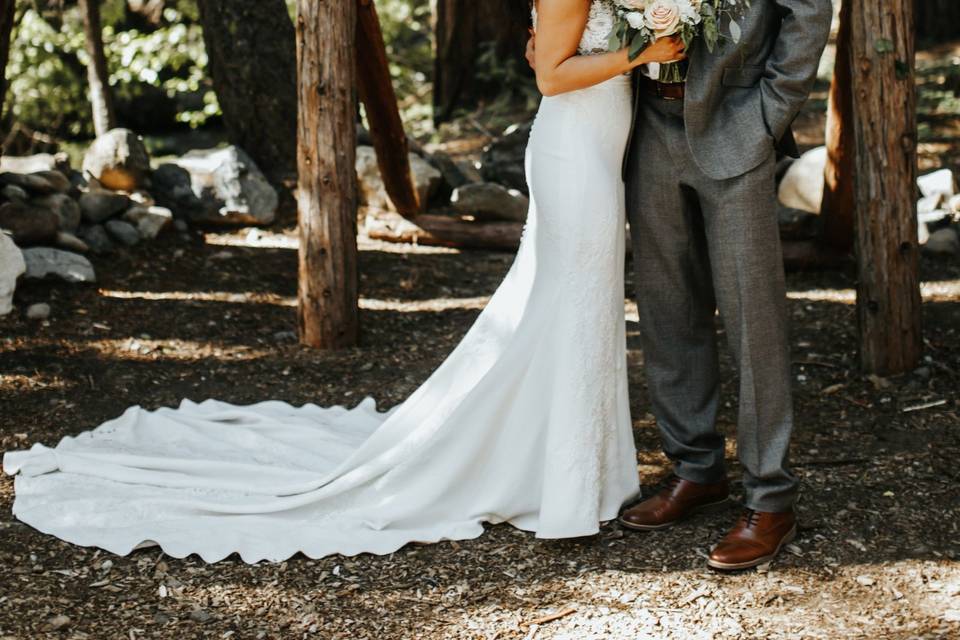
point(943, 291)
point(367, 304)
point(263, 239)
point(189, 350)
point(36, 382)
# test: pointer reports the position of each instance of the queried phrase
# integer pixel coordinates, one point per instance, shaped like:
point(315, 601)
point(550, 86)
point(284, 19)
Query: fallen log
point(444, 231)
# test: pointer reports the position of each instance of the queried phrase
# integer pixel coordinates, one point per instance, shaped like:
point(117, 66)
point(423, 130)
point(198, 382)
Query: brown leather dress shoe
point(756, 538)
point(677, 500)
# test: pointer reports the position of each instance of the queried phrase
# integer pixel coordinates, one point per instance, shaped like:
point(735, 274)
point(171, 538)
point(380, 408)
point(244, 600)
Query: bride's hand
point(664, 50)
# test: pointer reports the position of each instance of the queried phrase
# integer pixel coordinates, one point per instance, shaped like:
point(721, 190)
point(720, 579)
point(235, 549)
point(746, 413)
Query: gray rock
point(66, 208)
point(29, 225)
point(216, 186)
point(953, 205)
point(930, 203)
point(40, 182)
point(12, 266)
point(373, 193)
point(150, 221)
point(43, 261)
point(30, 164)
point(14, 193)
point(70, 242)
point(97, 239)
point(943, 242)
point(450, 170)
point(470, 171)
point(58, 623)
point(488, 201)
point(939, 182)
point(503, 160)
point(796, 224)
point(181, 225)
point(124, 232)
point(118, 160)
point(98, 206)
point(39, 311)
point(802, 185)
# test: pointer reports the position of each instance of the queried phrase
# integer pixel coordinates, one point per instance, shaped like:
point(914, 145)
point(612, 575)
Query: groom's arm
point(792, 66)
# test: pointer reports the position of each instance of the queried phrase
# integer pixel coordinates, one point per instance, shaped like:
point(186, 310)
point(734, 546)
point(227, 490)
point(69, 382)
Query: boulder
point(937, 183)
point(216, 186)
point(14, 193)
point(71, 242)
point(39, 311)
point(96, 237)
point(40, 182)
point(65, 207)
point(796, 224)
point(123, 232)
point(449, 169)
point(118, 160)
point(99, 206)
point(488, 201)
point(503, 160)
point(943, 242)
point(28, 164)
point(43, 261)
point(150, 221)
point(12, 266)
point(373, 193)
point(29, 225)
point(802, 185)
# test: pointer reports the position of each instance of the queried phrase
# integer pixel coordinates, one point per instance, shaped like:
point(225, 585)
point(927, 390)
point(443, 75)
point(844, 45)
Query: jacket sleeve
point(792, 66)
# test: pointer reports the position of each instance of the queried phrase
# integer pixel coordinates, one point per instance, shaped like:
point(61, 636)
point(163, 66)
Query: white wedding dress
point(526, 422)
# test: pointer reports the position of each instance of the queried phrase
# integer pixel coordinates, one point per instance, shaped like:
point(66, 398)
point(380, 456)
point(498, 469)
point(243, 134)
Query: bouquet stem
point(673, 72)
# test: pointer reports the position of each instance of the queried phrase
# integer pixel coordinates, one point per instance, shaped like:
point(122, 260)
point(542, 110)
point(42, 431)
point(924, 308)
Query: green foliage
point(48, 87)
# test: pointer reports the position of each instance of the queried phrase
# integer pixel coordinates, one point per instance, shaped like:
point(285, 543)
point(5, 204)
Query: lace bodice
point(597, 31)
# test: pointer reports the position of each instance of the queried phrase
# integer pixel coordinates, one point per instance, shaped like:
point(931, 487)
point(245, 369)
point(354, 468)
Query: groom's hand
point(532, 50)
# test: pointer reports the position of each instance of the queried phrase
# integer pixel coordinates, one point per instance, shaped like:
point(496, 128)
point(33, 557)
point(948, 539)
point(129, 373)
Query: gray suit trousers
point(701, 244)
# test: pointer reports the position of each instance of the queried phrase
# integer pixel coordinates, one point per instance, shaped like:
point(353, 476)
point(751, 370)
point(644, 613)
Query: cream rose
point(662, 17)
point(634, 5)
point(634, 19)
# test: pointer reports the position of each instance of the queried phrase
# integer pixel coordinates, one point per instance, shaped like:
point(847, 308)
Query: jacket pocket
point(746, 76)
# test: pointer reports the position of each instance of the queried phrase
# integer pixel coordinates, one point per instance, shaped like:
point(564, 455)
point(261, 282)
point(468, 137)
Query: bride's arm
point(560, 25)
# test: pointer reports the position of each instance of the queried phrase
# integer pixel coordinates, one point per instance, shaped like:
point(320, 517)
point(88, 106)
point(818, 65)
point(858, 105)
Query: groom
point(699, 171)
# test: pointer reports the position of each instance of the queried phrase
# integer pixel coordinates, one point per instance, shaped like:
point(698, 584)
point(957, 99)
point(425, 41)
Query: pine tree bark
point(7, 16)
point(98, 78)
point(380, 101)
point(888, 291)
point(252, 52)
point(327, 194)
point(839, 199)
point(463, 28)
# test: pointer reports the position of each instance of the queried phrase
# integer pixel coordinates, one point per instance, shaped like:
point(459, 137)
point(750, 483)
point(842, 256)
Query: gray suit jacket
point(743, 98)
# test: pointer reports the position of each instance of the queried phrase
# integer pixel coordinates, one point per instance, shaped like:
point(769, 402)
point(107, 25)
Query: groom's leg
point(747, 263)
point(674, 296)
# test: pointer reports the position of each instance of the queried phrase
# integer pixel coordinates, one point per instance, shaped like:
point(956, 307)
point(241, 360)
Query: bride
point(526, 422)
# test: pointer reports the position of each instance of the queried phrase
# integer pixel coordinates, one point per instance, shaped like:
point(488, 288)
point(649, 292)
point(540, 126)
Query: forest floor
point(215, 317)
point(880, 512)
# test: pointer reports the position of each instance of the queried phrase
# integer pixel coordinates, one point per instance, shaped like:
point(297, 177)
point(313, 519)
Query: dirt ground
point(880, 511)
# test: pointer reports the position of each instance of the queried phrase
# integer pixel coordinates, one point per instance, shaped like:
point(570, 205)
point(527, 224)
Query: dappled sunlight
point(186, 350)
point(939, 291)
point(33, 382)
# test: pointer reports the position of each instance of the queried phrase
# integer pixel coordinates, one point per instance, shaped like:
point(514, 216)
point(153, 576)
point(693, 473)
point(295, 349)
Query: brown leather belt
point(664, 90)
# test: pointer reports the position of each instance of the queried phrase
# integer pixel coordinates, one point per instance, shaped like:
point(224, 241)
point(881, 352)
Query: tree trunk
point(327, 195)
point(383, 116)
point(252, 51)
point(463, 28)
point(7, 16)
point(888, 291)
point(937, 19)
point(839, 199)
point(101, 99)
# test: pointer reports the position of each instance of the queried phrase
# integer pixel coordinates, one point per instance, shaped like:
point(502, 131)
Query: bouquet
point(639, 23)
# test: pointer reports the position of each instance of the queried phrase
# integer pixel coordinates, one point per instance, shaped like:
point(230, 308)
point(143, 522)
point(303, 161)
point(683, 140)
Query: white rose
point(634, 5)
point(689, 11)
point(635, 19)
point(662, 17)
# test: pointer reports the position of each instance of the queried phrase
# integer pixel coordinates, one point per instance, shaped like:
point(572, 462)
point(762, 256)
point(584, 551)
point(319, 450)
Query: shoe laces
point(670, 484)
point(750, 518)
